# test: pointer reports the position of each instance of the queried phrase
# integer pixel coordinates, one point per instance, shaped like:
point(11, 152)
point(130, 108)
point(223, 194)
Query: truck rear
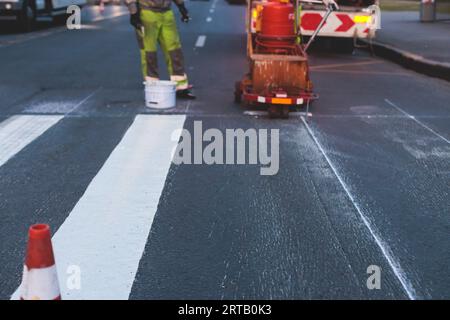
point(354, 19)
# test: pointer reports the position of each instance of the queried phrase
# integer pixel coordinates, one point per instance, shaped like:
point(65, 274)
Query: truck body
point(354, 19)
point(25, 12)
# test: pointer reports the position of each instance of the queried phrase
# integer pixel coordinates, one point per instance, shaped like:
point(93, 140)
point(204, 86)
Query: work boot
point(185, 94)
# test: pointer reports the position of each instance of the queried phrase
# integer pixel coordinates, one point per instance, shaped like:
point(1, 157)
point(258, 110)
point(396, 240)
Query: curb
point(410, 60)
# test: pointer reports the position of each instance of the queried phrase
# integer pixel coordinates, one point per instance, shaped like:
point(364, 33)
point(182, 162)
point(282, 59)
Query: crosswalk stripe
point(105, 234)
point(18, 131)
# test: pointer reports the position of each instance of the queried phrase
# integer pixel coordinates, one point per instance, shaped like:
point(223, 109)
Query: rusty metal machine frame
point(278, 81)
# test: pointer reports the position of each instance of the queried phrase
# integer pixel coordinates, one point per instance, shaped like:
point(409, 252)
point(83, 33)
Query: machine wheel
point(273, 112)
point(278, 112)
point(27, 17)
point(284, 112)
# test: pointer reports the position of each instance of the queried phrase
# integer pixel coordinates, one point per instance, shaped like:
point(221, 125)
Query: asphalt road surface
point(364, 181)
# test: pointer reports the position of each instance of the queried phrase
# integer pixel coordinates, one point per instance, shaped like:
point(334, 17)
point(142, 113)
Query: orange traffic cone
point(40, 279)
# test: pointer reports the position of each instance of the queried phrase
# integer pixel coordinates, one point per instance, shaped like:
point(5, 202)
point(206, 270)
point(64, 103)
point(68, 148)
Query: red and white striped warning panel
point(338, 24)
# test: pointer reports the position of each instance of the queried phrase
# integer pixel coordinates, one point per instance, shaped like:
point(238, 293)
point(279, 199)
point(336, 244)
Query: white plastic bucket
point(160, 94)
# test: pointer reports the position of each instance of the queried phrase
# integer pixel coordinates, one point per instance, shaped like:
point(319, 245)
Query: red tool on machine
point(279, 77)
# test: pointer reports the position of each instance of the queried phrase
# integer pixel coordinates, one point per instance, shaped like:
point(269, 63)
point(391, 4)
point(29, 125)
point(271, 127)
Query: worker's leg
point(171, 45)
point(140, 39)
point(166, 55)
point(152, 22)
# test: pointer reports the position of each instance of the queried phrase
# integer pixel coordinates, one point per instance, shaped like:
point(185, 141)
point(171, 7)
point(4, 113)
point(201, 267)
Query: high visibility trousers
point(161, 28)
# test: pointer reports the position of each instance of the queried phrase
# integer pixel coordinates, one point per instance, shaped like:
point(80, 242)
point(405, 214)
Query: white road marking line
point(84, 100)
point(395, 266)
point(417, 121)
point(18, 131)
point(33, 36)
point(45, 33)
point(265, 113)
point(376, 116)
point(381, 73)
point(209, 19)
point(331, 115)
point(346, 65)
point(200, 41)
point(106, 232)
point(211, 10)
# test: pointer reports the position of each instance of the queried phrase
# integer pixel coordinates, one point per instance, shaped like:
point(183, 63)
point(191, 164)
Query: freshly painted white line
point(84, 100)
point(417, 121)
point(105, 234)
point(376, 116)
point(200, 41)
point(265, 113)
point(211, 10)
point(18, 131)
point(300, 114)
point(346, 65)
point(395, 266)
point(209, 19)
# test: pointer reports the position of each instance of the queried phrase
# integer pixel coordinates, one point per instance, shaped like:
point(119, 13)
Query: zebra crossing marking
point(106, 232)
point(18, 131)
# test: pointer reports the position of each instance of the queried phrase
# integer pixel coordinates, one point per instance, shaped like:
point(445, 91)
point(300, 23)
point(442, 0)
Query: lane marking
point(26, 38)
point(375, 116)
point(416, 120)
point(79, 104)
point(55, 30)
point(337, 65)
point(209, 19)
point(200, 41)
point(259, 113)
point(18, 131)
point(403, 74)
point(106, 232)
point(395, 265)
